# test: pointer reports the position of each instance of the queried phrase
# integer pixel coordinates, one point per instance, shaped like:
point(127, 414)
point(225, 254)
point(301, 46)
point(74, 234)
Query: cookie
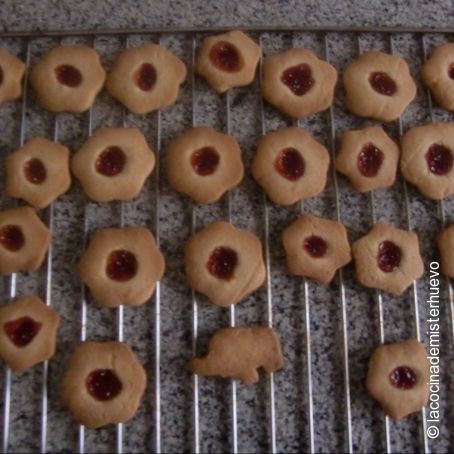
point(388, 259)
point(427, 159)
point(68, 79)
point(316, 247)
point(28, 332)
point(238, 353)
point(228, 60)
point(298, 83)
point(24, 240)
point(378, 86)
point(146, 78)
point(104, 384)
point(38, 172)
point(445, 243)
point(204, 164)
point(113, 164)
point(290, 165)
point(224, 263)
point(368, 158)
point(11, 73)
point(122, 266)
point(398, 377)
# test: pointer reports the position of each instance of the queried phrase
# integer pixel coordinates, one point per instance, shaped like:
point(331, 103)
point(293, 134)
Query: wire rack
point(317, 402)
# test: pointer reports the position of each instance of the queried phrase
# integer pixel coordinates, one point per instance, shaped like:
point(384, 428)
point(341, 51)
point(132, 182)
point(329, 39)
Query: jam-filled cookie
point(379, 86)
point(290, 165)
point(388, 259)
point(369, 158)
point(11, 73)
point(28, 332)
point(228, 60)
point(316, 247)
point(204, 164)
point(104, 384)
point(113, 164)
point(298, 83)
point(38, 172)
point(122, 266)
point(146, 78)
point(24, 240)
point(68, 78)
point(398, 377)
point(428, 157)
point(445, 243)
point(224, 263)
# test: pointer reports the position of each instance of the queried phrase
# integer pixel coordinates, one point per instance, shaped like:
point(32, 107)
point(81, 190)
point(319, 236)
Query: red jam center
point(146, 77)
point(21, 331)
point(222, 262)
point(205, 161)
point(370, 160)
point(315, 246)
point(298, 79)
point(121, 265)
point(451, 71)
point(111, 161)
point(389, 256)
point(12, 238)
point(103, 384)
point(403, 377)
point(1, 75)
point(290, 164)
point(226, 57)
point(34, 171)
point(68, 75)
point(439, 159)
point(382, 83)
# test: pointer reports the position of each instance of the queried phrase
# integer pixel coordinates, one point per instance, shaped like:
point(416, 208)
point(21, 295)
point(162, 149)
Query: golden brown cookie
point(11, 73)
point(28, 331)
point(290, 165)
point(445, 243)
point(224, 263)
point(68, 78)
point(298, 83)
point(368, 158)
point(228, 60)
point(146, 78)
point(388, 259)
point(398, 377)
point(427, 159)
point(316, 247)
point(113, 164)
point(104, 384)
point(122, 266)
point(38, 172)
point(379, 86)
point(239, 352)
point(24, 240)
point(204, 164)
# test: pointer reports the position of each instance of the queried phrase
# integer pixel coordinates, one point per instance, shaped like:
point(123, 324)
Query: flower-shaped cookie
point(24, 240)
point(38, 172)
point(203, 164)
point(398, 377)
point(11, 73)
point(28, 331)
point(146, 78)
point(290, 165)
point(379, 86)
point(68, 78)
point(122, 266)
point(224, 263)
point(103, 384)
point(298, 83)
point(113, 164)
point(438, 75)
point(316, 247)
point(445, 243)
point(228, 60)
point(427, 159)
point(369, 158)
point(388, 259)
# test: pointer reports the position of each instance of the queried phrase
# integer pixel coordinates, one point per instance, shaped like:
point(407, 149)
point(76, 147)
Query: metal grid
point(312, 440)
